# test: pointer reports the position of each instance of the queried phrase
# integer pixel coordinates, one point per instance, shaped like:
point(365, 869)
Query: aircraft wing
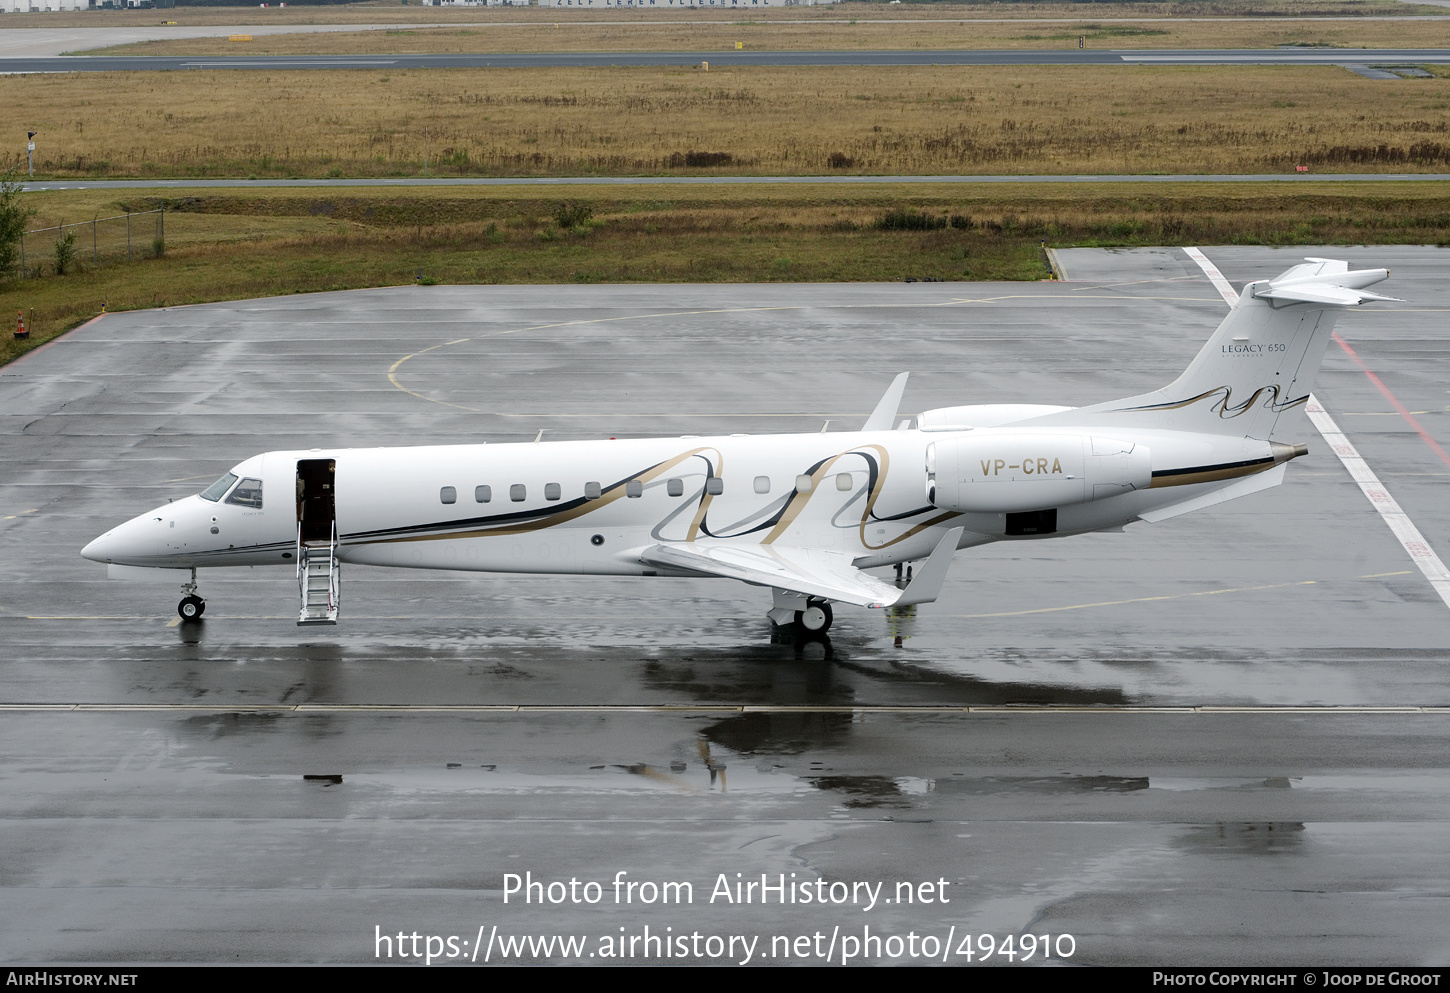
point(812, 572)
point(808, 571)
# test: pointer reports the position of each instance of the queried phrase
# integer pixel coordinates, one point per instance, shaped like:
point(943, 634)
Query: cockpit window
point(215, 490)
point(247, 494)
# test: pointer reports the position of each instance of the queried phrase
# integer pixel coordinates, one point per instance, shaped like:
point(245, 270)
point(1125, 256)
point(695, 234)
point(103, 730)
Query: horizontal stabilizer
point(1336, 296)
point(1312, 267)
point(1321, 281)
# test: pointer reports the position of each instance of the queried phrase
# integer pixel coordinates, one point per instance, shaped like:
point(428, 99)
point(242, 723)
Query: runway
point(726, 59)
point(35, 42)
point(1217, 740)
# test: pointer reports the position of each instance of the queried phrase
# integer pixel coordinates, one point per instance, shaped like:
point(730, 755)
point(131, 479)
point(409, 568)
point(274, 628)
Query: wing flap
point(812, 572)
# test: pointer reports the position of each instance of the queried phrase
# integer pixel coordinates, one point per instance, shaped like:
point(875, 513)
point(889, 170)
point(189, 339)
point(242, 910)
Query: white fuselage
point(570, 507)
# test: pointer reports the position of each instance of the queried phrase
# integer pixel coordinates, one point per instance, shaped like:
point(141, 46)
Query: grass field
point(252, 243)
point(776, 35)
point(791, 121)
point(392, 12)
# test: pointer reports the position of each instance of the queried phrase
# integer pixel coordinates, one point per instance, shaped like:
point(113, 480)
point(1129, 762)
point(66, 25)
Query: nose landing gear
point(191, 606)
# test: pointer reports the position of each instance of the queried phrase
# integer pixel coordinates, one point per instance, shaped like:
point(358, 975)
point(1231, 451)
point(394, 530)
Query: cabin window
point(552, 491)
point(634, 488)
point(593, 491)
point(482, 494)
point(844, 482)
point(215, 490)
point(448, 494)
point(247, 494)
point(675, 487)
point(804, 483)
point(762, 484)
point(714, 486)
point(518, 493)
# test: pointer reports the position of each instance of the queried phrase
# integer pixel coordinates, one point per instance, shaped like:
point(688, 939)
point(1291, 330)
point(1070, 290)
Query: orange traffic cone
point(20, 333)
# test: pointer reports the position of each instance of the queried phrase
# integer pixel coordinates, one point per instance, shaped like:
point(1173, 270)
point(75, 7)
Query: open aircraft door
point(318, 575)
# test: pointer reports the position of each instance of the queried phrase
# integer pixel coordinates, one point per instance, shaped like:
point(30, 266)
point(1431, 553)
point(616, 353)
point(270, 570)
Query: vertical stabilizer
point(1260, 362)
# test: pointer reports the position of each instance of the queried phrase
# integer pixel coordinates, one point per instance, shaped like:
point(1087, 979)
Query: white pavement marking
point(1414, 543)
point(425, 710)
point(1409, 536)
point(1214, 276)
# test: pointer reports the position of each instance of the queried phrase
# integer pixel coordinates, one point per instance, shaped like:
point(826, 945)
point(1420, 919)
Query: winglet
point(883, 418)
point(927, 584)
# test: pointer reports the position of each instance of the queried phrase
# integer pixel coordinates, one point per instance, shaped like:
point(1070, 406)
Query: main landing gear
point(191, 606)
point(808, 616)
point(816, 618)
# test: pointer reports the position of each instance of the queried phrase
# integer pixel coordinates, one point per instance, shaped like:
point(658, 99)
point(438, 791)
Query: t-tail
point(1261, 361)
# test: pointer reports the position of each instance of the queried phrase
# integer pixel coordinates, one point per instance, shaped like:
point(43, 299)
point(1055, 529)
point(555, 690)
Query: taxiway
point(1216, 740)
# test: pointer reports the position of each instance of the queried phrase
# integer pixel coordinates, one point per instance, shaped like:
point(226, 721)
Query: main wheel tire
point(191, 608)
point(816, 618)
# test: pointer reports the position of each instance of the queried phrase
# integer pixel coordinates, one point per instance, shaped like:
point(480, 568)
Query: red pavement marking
point(37, 350)
point(1404, 411)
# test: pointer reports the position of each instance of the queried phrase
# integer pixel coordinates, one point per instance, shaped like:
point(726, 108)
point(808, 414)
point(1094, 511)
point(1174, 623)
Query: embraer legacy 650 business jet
point(801, 514)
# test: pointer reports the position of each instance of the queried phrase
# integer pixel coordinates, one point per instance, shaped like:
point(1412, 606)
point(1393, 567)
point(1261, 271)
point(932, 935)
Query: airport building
point(22, 6)
point(659, 4)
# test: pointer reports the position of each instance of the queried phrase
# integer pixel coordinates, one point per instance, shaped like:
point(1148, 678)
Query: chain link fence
point(59, 249)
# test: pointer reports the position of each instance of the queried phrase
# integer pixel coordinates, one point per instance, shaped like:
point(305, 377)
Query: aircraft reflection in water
point(801, 514)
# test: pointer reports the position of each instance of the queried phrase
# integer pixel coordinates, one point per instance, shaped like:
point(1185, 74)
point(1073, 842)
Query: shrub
point(65, 253)
point(840, 160)
point(699, 159)
point(572, 215)
point(12, 222)
point(910, 220)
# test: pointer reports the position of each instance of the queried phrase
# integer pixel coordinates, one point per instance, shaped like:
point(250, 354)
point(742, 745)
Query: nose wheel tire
point(191, 608)
point(816, 618)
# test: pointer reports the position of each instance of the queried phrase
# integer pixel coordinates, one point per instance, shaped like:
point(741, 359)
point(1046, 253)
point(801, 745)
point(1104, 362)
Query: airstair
point(318, 579)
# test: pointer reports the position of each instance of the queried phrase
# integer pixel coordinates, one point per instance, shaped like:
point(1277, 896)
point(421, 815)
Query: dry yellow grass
point(898, 120)
point(391, 12)
point(765, 35)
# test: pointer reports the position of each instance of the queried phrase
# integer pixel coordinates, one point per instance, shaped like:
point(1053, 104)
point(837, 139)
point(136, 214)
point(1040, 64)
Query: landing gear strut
point(191, 606)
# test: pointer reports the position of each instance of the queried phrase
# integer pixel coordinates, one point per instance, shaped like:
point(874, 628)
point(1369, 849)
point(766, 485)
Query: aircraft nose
point(97, 551)
point(136, 542)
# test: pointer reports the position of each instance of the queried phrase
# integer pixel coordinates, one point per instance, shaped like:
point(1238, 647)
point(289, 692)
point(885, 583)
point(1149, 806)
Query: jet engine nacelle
point(1014, 473)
